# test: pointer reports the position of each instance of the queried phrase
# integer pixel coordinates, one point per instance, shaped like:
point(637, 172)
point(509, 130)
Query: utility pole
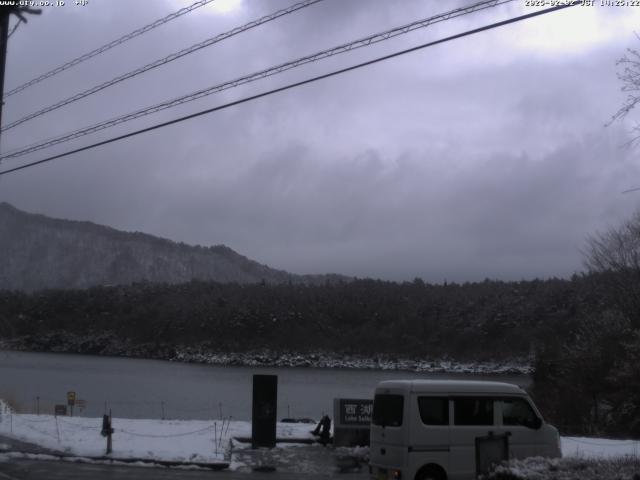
point(5, 13)
point(4, 36)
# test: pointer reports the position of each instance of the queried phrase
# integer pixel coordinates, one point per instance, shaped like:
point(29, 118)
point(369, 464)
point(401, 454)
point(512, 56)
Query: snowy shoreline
point(332, 360)
point(267, 358)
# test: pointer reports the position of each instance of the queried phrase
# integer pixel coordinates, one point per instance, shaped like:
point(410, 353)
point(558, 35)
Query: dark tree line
point(588, 381)
point(473, 321)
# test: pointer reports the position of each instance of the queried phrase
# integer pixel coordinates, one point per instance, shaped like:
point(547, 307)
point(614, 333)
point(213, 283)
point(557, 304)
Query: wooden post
point(57, 429)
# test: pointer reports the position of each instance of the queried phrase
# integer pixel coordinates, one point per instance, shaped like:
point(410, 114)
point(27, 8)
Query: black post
point(265, 409)
point(109, 444)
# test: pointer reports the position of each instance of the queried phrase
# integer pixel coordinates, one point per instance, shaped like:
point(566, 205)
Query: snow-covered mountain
point(39, 252)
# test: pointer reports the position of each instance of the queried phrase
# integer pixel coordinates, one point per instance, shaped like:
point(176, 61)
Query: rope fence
point(153, 409)
point(64, 429)
point(150, 435)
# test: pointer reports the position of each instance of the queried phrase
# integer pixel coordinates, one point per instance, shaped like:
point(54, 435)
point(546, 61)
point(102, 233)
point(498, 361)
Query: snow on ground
point(199, 441)
point(307, 459)
point(583, 459)
point(598, 447)
point(205, 441)
point(571, 468)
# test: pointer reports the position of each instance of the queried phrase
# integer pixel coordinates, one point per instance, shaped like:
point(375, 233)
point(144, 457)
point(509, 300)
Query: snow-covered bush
point(572, 468)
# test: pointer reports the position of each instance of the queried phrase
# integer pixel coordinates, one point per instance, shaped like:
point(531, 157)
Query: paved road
point(62, 470)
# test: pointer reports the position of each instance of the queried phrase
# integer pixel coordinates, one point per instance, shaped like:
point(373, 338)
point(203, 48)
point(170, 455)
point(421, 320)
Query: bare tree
point(630, 78)
point(615, 256)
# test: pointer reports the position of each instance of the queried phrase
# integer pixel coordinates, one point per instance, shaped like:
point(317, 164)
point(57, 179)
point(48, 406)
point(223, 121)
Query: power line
point(297, 84)
point(363, 42)
point(162, 61)
point(108, 46)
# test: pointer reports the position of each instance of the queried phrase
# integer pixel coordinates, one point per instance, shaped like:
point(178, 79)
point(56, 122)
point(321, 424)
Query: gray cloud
point(451, 163)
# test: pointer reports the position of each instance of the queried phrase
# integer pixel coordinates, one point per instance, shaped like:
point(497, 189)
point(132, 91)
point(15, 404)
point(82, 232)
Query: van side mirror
point(535, 423)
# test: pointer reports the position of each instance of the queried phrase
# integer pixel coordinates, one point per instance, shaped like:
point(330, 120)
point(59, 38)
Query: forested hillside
point(38, 252)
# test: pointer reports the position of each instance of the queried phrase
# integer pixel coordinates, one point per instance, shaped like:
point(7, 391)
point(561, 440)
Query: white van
point(438, 429)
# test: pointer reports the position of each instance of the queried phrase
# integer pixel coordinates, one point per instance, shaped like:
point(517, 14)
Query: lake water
point(138, 388)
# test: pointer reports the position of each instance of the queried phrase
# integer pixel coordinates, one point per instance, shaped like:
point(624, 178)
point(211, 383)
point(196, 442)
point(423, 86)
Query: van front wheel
point(431, 472)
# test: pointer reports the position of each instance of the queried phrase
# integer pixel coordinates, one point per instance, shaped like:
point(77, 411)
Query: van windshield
point(387, 410)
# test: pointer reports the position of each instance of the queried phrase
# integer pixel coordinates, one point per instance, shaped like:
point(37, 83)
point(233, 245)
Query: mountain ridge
point(40, 252)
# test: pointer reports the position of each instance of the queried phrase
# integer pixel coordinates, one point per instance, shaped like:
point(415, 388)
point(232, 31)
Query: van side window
point(517, 411)
point(388, 410)
point(434, 410)
point(473, 411)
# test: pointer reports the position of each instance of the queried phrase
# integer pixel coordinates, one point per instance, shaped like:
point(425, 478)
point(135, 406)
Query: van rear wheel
point(431, 472)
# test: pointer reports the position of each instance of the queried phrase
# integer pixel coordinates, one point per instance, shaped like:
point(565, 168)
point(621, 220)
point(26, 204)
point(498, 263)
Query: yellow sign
point(71, 398)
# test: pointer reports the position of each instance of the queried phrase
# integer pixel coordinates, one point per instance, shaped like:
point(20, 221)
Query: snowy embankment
point(586, 447)
point(331, 360)
point(192, 441)
point(107, 345)
point(583, 459)
point(570, 468)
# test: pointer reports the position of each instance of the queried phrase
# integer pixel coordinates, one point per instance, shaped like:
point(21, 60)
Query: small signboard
point(81, 404)
point(352, 421)
point(355, 411)
point(71, 398)
point(60, 410)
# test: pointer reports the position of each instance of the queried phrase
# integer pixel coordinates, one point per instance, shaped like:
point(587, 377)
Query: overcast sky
point(487, 156)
